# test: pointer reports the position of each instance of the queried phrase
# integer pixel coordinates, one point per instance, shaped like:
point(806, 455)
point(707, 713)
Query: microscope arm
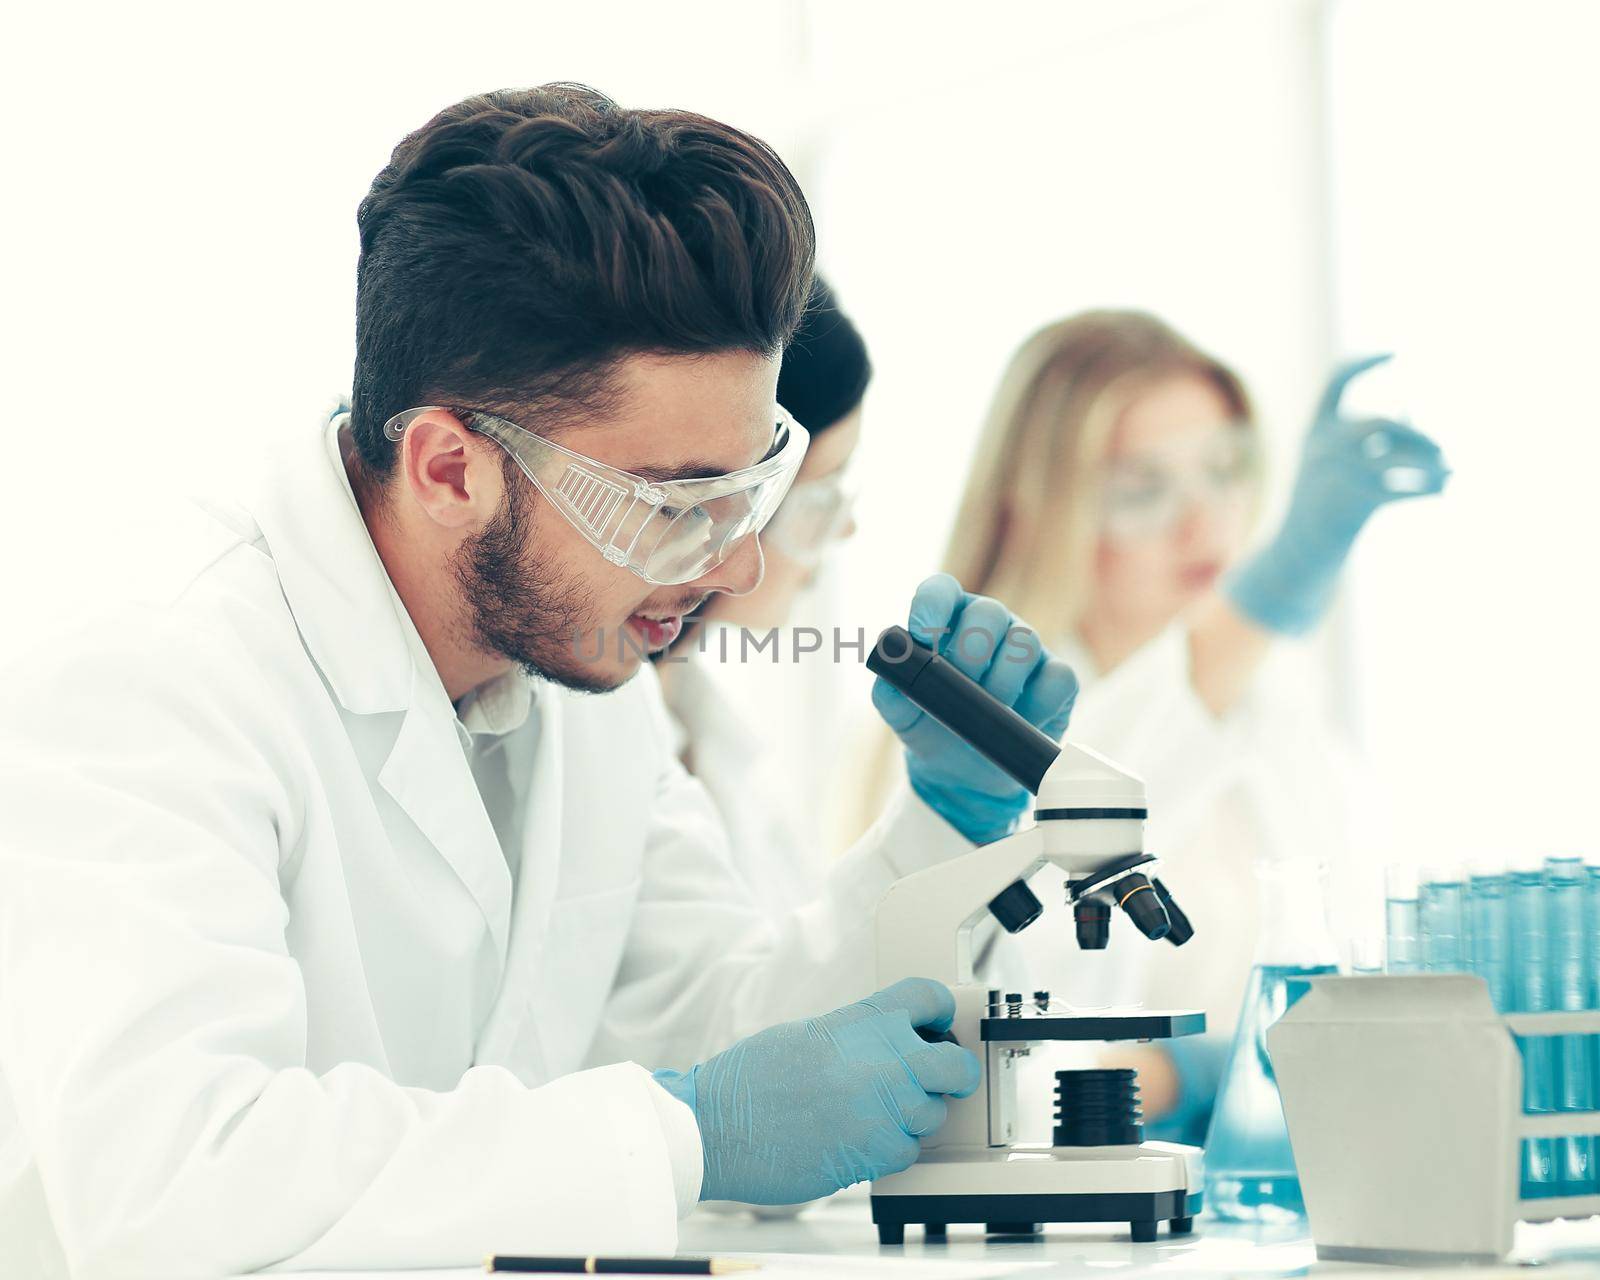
point(925, 921)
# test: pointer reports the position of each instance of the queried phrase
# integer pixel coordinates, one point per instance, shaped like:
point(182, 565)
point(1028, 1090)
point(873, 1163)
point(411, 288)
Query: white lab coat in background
point(270, 989)
point(726, 752)
point(761, 752)
point(1268, 780)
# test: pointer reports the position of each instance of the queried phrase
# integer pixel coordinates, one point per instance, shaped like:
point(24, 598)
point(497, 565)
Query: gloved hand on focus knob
point(804, 1109)
point(1350, 468)
point(980, 637)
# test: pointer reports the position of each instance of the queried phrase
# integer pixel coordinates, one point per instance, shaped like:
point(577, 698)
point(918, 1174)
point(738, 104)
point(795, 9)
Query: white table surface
point(837, 1239)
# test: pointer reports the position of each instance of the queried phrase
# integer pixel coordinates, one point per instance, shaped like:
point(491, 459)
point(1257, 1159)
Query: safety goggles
point(1147, 496)
point(813, 516)
point(667, 531)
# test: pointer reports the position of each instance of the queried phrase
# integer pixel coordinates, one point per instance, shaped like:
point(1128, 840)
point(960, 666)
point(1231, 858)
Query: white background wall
point(1284, 179)
point(1468, 211)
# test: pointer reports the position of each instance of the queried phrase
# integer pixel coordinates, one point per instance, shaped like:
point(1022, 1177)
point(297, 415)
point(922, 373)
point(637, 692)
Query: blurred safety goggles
point(1147, 496)
point(812, 518)
point(667, 531)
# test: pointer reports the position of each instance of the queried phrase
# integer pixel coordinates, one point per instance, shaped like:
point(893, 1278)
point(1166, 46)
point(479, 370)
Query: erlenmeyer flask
point(1250, 1173)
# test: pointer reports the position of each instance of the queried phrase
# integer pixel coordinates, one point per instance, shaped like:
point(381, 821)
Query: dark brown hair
point(523, 241)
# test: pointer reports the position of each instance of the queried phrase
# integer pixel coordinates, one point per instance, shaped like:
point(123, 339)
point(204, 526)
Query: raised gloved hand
point(803, 1109)
point(1350, 468)
point(979, 636)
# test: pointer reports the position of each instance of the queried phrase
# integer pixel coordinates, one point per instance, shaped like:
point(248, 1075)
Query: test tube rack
point(1404, 1102)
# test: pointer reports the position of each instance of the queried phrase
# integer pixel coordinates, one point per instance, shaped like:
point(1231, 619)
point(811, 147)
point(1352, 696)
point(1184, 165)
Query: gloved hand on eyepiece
point(1350, 468)
point(803, 1109)
point(980, 637)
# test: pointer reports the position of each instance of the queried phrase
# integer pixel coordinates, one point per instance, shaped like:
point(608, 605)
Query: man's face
point(535, 592)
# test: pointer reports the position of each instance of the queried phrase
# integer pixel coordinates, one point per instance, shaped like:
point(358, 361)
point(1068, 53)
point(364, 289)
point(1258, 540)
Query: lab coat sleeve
point(153, 1023)
point(685, 1152)
point(706, 966)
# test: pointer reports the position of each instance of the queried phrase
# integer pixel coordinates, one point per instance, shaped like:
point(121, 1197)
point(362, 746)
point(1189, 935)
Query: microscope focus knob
point(1015, 907)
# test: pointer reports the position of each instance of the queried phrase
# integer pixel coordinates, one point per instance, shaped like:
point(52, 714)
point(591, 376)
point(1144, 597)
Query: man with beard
point(334, 915)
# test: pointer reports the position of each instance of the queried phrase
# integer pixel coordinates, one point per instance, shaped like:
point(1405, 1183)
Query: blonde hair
point(1028, 522)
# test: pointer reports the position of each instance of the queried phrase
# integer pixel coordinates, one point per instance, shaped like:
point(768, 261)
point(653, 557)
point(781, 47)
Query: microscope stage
point(1139, 1024)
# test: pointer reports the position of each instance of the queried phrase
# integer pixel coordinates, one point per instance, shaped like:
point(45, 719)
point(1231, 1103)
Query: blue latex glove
point(1350, 468)
point(803, 1109)
point(979, 636)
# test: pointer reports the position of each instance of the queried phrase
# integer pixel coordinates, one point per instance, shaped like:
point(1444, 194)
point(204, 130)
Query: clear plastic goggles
point(667, 531)
point(1148, 496)
point(815, 515)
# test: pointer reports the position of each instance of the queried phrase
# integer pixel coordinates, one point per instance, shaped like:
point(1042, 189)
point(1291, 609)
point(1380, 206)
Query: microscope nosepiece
point(1139, 899)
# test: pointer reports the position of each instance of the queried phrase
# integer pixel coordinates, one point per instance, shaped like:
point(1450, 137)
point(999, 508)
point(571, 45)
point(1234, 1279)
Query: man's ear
point(449, 471)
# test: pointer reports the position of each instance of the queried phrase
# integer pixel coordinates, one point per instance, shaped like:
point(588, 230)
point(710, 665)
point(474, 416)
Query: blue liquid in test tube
point(1489, 925)
point(1403, 941)
point(1530, 993)
point(1592, 928)
point(1469, 939)
point(1566, 882)
point(1592, 917)
point(1441, 909)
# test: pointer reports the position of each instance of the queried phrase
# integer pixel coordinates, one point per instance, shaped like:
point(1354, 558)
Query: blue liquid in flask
point(1250, 1173)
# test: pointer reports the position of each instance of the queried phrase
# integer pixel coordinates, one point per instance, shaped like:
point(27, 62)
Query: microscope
point(1089, 821)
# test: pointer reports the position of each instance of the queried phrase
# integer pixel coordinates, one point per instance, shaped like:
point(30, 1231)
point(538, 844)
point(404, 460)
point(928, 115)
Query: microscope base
point(1014, 1190)
point(1025, 1215)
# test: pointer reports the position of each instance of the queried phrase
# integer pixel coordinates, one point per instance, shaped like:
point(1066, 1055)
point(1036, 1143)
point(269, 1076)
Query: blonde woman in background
point(1112, 499)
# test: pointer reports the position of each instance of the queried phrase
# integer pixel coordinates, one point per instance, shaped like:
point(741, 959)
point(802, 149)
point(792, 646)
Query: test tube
point(1566, 883)
point(1404, 949)
point(1441, 904)
point(1469, 940)
point(1592, 916)
point(1530, 993)
point(1489, 924)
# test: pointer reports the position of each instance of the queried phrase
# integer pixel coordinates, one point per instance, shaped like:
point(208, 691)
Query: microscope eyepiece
point(1139, 899)
point(963, 706)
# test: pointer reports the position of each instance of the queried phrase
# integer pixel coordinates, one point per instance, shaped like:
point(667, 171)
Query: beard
point(520, 611)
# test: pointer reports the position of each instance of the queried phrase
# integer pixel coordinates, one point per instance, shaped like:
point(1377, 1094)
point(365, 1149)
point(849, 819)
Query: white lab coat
point(768, 812)
point(268, 992)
